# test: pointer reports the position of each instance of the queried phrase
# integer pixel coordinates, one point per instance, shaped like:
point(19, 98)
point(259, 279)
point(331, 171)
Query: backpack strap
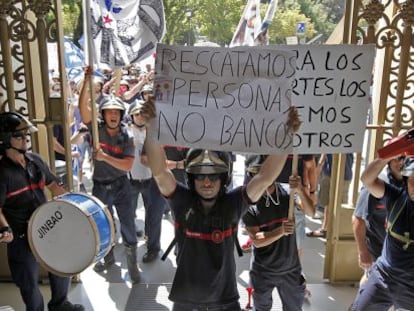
point(402, 238)
point(237, 242)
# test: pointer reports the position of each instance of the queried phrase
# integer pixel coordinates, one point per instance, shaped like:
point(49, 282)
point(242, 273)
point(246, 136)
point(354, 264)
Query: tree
point(176, 20)
point(324, 13)
point(284, 25)
point(217, 20)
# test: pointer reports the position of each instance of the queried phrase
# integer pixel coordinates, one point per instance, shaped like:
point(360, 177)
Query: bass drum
point(71, 232)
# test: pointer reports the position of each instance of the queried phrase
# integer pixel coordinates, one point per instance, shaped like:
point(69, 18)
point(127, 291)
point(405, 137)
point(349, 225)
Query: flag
point(262, 37)
point(124, 32)
point(74, 60)
point(249, 25)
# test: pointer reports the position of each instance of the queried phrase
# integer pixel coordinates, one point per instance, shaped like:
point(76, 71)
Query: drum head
point(63, 238)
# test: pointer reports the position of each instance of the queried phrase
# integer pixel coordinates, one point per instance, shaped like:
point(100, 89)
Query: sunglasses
point(399, 158)
point(211, 177)
point(20, 135)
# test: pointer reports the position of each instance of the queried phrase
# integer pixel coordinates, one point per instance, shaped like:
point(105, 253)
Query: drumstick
point(292, 193)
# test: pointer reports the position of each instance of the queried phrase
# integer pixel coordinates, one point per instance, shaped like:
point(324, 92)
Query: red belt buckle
point(217, 236)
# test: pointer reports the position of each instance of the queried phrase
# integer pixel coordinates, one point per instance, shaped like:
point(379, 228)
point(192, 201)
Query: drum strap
point(169, 248)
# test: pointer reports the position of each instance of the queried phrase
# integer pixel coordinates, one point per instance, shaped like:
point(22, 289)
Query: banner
point(236, 99)
point(223, 99)
point(124, 32)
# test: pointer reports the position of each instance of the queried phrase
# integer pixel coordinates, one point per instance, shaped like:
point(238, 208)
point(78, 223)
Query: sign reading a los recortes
point(237, 99)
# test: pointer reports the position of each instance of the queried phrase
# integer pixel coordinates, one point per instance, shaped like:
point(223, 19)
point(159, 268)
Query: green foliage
point(71, 14)
point(324, 14)
point(214, 20)
point(71, 10)
point(217, 20)
point(175, 15)
point(284, 25)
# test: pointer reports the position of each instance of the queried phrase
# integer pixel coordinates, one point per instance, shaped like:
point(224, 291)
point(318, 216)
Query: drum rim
point(95, 229)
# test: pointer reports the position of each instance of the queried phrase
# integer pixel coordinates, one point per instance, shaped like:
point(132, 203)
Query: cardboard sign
point(331, 89)
point(223, 99)
point(237, 99)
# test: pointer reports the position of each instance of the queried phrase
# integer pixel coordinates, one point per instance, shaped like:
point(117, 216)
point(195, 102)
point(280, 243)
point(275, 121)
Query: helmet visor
point(207, 162)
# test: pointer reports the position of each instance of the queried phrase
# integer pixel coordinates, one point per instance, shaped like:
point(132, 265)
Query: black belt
point(140, 181)
point(108, 182)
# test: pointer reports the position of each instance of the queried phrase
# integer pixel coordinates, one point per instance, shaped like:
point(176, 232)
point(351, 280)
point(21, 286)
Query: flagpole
point(89, 58)
point(292, 194)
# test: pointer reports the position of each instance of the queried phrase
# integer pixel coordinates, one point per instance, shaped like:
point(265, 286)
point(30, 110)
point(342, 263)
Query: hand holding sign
point(293, 122)
point(148, 110)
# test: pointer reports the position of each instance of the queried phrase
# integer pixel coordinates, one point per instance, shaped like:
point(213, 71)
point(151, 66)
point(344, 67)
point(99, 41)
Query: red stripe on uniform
point(113, 149)
point(41, 185)
point(275, 221)
point(208, 236)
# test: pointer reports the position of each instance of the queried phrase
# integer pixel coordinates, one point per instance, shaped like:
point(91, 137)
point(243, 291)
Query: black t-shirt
point(282, 255)
point(206, 269)
point(287, 169)
point(177, 154)
point(58, 134)
point(375, 232)
point(395, 260)
point(21, 190)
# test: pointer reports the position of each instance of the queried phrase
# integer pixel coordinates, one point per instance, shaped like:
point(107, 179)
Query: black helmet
point(136, 107)
point(12, 122)
point(408, 167)
point(202, 161)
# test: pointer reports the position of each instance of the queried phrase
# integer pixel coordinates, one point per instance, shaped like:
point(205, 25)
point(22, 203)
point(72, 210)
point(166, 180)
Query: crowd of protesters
point(195, 187)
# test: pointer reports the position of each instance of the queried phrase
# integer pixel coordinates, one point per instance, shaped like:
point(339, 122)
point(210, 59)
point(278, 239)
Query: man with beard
point(207, 214)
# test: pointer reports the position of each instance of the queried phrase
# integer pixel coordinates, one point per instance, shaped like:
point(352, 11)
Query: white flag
point(124, 32)
point(249, 25)
point(262, 37)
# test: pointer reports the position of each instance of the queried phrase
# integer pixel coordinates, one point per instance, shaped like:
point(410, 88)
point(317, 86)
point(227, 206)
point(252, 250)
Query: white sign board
point(236, 99)
point(223, 99)
point(292, 40)
point(331, 90)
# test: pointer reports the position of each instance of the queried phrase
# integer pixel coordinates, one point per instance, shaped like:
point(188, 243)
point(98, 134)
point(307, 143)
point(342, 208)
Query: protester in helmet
point(391, 279)
point(146, 91)
point(370, 218)
point(23, 175)
point(142, 183)
point(113, 160)
point(14, 125)
point(207, 216)
point(275, 262)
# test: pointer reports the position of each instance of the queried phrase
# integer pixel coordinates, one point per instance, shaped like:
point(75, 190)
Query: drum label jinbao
point(49, 224)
